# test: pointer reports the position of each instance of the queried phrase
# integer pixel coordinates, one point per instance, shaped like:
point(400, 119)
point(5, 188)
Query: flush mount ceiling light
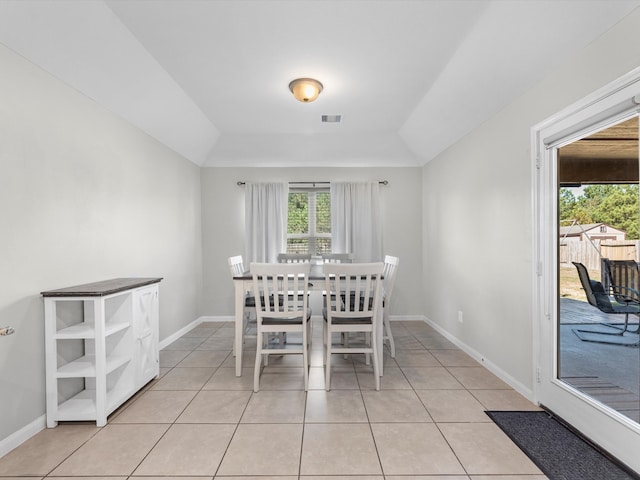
point(305, 89)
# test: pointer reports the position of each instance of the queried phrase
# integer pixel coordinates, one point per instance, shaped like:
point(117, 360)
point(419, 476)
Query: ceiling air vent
point(331, 118)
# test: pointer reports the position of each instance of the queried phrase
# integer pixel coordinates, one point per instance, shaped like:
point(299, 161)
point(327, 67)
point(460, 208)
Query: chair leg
point(620, 330)
point(309, 342)
point(324, 343)
point(327, 361)
point(367, 356)
point(305, 359)
point(389, 335)
point(345, 343)
point(256, 370)
point(266, 338)
point(376, 368)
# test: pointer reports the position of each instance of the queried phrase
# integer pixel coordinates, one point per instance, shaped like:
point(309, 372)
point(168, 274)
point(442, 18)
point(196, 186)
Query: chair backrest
point(337, 258)
point(236, 267)
point(353, 290)
point(281, 281)
point(389, 275)
point(623, 278)
point(594, 290)
point(294, 257)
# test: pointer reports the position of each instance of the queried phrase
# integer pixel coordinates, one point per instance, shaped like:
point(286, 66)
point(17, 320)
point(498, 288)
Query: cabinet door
point(145, 330)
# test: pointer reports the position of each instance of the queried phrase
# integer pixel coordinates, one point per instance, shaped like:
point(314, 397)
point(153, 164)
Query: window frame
point(313, 235)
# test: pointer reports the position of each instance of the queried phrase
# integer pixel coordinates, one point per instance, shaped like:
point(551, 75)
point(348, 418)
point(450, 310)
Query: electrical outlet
point(460, 317)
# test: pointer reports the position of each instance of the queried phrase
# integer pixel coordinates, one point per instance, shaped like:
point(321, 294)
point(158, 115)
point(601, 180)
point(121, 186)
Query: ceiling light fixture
point(305, 89)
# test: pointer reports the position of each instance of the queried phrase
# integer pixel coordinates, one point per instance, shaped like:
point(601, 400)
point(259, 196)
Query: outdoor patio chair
point(607, 303)
point(623, 280)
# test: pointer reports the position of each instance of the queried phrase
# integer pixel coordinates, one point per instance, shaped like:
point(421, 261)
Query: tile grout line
point(177, 416)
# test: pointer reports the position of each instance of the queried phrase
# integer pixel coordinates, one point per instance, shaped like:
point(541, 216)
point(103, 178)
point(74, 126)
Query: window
point(309, 221)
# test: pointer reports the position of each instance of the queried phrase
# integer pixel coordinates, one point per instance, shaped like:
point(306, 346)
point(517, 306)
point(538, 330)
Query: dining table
point(243, 284)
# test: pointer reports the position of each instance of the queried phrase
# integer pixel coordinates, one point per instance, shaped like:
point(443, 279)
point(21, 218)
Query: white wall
point(83, 197)
point(484, 184)
point(223, 226)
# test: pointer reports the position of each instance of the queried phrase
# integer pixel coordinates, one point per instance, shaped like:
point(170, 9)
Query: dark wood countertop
point(100, 289)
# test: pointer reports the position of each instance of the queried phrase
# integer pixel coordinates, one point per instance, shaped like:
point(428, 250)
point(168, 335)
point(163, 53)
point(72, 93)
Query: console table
point(101, 346)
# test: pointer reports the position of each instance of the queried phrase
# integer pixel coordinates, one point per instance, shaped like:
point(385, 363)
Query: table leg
point(380, 338)
point(239, 331)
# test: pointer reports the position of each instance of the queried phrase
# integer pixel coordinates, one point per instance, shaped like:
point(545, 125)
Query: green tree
point(566, 204)
point(619, 208)
point(323, 212)
point(298, 214)
point(615, 205)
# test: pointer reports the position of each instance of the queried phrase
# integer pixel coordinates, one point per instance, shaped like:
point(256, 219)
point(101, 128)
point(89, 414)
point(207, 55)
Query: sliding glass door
point(587, 300)
point(598, 255)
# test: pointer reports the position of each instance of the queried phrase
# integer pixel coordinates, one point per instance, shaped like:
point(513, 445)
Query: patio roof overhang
point(609, 156)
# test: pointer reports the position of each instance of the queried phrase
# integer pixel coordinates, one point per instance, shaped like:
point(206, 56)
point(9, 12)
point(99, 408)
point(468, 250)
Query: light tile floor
point(200, 420)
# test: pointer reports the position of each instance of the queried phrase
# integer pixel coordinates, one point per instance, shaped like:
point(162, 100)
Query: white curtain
point(355, 220)
point(265, 208)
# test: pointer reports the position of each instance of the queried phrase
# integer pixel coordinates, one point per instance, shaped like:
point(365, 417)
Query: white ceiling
point(209, 78)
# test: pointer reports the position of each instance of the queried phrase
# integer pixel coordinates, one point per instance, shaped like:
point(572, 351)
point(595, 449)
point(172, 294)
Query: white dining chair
point(352, 306)
point(294, 257)
point(337, 258)
point(278, 310)
point(389, 279)
point(236, 267)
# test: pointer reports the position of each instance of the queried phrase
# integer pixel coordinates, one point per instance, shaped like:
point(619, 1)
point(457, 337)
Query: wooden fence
point(590, 254)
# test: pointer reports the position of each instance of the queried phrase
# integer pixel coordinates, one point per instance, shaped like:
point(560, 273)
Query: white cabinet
point(101, 342)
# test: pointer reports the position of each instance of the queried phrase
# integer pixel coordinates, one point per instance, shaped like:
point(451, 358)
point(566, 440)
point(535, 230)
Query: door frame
point(615, 102)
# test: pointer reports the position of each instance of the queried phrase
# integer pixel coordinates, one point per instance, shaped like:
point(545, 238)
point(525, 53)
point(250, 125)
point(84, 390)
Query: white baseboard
point(218, 318)
point(407, 318)
point(22, 435)
point(480, 358)
point(174, 336)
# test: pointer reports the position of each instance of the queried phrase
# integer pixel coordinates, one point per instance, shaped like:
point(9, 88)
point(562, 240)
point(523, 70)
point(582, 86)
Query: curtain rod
point(381, 182)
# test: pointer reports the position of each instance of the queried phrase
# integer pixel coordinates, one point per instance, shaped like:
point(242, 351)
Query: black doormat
point(556, 450)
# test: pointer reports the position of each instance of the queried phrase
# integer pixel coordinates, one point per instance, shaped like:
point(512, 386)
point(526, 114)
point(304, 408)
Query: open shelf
point(85, 366)
point(77, 331)
point(115, 327)
point(87, 330)
point(82, 407)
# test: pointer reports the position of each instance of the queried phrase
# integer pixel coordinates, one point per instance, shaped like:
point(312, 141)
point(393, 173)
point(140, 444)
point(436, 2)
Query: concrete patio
point(607, 373)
